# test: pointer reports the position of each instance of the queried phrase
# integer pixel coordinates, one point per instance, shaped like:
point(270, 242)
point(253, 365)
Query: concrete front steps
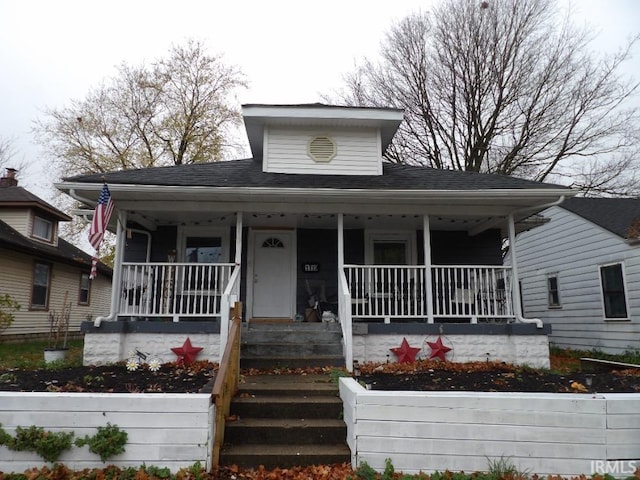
point(270, 345)
point(284, 421)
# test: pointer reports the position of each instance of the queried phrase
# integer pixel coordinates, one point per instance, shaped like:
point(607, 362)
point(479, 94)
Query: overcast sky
point(290, 51)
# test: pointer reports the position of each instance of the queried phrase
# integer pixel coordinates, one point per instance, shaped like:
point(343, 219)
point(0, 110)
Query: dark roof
point(248, 173)
point(613, 214)
point(64, 252)
point(15, 196)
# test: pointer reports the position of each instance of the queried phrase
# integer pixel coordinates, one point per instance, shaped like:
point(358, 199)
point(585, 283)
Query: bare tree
point(180, 109)
point(504, 86)
point(8, 154)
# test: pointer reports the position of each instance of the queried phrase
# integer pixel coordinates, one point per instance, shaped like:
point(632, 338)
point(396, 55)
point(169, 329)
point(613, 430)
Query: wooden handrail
point(226, 383)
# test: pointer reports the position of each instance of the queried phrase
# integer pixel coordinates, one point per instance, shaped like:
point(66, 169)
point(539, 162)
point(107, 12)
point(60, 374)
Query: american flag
point(101, 217)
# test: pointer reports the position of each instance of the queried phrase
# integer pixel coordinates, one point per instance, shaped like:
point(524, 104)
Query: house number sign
point(311, 267)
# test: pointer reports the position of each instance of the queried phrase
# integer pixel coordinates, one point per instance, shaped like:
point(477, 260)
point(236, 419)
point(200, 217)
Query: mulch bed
point(170, 378)
point(433, 375)
point(422, 375)
point(497, 380)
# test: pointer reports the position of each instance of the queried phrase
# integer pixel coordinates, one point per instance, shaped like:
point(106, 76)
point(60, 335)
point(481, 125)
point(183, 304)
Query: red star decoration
point(405, 353)
point(438, 349)
point(187, 353)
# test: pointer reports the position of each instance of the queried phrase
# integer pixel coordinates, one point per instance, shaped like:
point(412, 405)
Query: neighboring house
point(316, 218)
point(580, 272)
point(39, 270)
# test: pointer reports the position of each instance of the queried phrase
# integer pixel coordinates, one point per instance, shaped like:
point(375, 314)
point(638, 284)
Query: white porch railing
point(476, 292)
point(174, 289)
point(459, 292)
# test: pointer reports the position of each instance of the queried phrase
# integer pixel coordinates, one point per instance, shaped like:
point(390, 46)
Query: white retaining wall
point(564, 434)
point(532, 350)
point(164, 430)
point(104, 348)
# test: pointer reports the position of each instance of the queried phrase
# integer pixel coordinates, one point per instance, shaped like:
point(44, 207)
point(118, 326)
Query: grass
point(566, 360)
point(29, 355)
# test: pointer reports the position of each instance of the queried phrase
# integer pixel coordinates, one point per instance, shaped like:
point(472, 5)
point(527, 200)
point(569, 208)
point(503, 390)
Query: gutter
point(515, 293)
point(75, 196)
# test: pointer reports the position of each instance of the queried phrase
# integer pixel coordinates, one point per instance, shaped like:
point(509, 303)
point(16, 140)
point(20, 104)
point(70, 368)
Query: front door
point(272, 274)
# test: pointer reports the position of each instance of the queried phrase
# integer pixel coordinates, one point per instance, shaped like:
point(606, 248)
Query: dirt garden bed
point(418, 376)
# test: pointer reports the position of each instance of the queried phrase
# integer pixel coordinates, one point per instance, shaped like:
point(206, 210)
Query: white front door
point(273, 273)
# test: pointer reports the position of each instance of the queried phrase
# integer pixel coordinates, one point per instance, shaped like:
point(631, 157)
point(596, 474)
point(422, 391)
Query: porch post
point(340, 241)
point(515, 279)
point(426, 242)
point(121, 230)
point(238, 259)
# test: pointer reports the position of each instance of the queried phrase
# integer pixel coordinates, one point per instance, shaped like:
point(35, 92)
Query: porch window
point(42, 229)
point(41, 286)
point(389, 253)
point(391, 248)
point(553, 291)
point(613, 291)
point(85, 285)
point(203, 250)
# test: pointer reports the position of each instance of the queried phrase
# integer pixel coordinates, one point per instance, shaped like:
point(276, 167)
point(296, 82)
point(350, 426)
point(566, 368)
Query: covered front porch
point(363, 269)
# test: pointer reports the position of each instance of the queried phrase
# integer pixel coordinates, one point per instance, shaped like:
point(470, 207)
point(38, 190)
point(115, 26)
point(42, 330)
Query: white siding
point(164, 430)
point(358, 151)
point(573, 249)
point(543, 433)
point(16, 271)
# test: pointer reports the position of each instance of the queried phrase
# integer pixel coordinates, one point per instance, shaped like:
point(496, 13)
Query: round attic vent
point(322, 149)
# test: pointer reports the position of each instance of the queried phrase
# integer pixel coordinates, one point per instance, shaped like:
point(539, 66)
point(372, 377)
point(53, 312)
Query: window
point(613, 292)
point(203, 245)
point(203, 250)
point(384, 248)
point(42, 229)
point(272, 242)
point(553, 291)
point(85, 284)
point(389, 252)
point(41, 285)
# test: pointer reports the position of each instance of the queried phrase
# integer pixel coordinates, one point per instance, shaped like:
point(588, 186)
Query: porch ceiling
point(473, 211)
point(258, 219)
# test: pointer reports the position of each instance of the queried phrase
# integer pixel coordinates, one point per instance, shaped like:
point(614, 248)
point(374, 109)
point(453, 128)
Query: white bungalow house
point(580, 272)
point(316, 217)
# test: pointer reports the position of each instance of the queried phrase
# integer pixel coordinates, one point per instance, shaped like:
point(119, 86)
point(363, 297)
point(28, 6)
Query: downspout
point(117, 270)
point(515, 292)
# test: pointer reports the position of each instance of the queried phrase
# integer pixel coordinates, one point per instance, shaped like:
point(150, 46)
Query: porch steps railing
point(226, 384)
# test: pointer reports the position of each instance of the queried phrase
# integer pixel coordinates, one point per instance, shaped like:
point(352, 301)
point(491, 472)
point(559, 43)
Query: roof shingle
point(248, 173)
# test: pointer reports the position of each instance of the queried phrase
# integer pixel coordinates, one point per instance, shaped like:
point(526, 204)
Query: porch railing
point(173, 289)
point(458, 292)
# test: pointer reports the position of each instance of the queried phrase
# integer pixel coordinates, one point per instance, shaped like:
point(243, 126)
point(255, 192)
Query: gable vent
point(322, 149)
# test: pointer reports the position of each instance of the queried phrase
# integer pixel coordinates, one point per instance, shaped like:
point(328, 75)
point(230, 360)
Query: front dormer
point(319, 139)
point(28, 214)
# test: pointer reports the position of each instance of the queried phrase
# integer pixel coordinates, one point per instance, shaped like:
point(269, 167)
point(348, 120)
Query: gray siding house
point(317, 222)
point(580, 272)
